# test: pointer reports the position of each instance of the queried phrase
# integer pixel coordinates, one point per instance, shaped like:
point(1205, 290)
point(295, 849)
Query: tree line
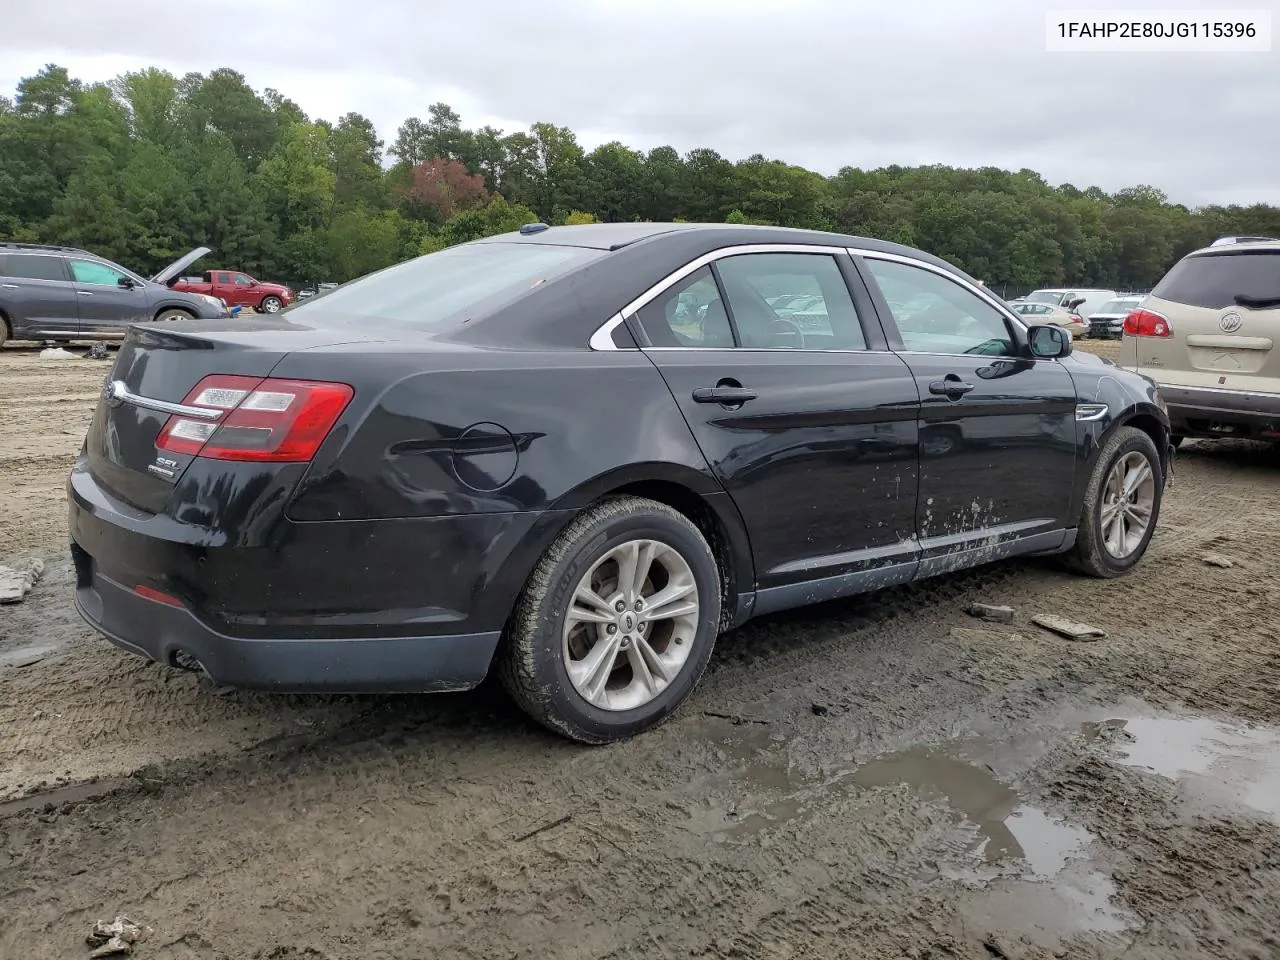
point(146, 166)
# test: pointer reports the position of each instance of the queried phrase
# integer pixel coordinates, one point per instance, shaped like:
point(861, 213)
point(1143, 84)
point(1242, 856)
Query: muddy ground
point(884, 777)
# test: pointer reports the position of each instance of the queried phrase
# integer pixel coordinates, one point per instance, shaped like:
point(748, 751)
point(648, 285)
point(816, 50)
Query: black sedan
point(578, 454)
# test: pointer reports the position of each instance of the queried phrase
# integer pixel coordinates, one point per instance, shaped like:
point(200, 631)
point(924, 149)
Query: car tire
point(1102, 548)
point(543, 642)
point(4, 329)
point(270, 305)
point(174, 314)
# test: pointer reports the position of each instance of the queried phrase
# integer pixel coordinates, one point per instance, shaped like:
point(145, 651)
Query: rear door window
point(1214, 280)
point(690, 313)
point(36, 267)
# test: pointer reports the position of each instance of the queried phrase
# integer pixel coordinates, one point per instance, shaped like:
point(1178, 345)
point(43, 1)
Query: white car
point(1109, 320)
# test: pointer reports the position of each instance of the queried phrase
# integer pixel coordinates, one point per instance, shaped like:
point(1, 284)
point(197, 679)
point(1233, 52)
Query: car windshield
point(456, 283)
point(1119, 305)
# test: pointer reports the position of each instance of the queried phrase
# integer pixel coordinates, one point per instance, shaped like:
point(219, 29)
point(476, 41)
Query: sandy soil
point(885, 777)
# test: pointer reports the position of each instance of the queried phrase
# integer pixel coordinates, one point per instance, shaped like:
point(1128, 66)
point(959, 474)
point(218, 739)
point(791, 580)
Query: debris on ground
point(114, 938)
point(16, 581)
point(820, 709)
point(988, 611)
point(1218, 560)
point(1071, 629)
point(57, 353)
point(99, 352)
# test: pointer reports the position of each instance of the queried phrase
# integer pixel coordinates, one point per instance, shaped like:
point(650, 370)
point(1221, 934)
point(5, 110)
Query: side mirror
point(1048, 342)
point(125, 282)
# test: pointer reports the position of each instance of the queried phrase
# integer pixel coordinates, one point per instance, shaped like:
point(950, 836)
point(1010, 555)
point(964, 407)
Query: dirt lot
point(885, 777)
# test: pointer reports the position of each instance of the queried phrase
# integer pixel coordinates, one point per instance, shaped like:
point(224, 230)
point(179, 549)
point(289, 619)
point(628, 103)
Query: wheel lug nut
point(639, 604)
point(619, 606)
point(611, 628)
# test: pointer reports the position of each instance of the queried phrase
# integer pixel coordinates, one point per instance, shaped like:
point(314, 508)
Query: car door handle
point(8, 286)
point(726, 395)
point(85, 293)
point(951, 387)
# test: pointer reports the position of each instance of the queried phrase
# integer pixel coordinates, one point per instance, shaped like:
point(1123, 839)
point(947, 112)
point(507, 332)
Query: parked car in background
point(1048, 313)
point(1081, 300)
point(319, 290)
point(239, 289)
point(64, 293)
point(1209, 335)
point(1108, 322)
point(512, 454)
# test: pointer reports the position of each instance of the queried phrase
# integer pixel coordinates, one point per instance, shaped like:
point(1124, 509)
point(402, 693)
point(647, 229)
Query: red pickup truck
point(238, 290)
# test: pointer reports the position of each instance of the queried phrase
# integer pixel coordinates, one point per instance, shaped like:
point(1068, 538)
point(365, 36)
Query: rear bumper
point(362, 606)
point(1211, 412)
point(1106, 328)
point(169, 634)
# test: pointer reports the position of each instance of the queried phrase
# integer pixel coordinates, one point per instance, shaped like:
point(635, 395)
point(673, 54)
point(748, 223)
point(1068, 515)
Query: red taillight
point(1146, 323)
point(1076, 318)
point(262, 419)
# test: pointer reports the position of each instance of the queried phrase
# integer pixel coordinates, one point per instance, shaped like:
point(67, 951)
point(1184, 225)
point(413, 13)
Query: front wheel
point(615, 624)
point(270, 305)
point(174, 314)
point(1121, 505)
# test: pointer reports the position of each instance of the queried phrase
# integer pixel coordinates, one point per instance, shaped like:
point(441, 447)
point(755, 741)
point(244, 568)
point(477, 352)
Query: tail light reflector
point(1146, 323)
point(150, 593)
point(271, 420)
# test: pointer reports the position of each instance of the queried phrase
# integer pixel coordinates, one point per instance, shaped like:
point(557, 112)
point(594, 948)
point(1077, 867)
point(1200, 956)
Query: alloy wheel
point(1128, 502)
point(630, 625)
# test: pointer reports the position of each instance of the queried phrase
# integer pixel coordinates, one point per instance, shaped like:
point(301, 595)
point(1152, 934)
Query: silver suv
point(1209, 335)
point(65, 293)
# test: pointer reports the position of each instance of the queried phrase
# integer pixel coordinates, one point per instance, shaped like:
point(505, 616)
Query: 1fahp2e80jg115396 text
point(1137, 29)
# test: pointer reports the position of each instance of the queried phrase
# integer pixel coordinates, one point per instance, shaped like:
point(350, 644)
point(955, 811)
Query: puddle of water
point(1007, 828)
point(1024, 868)
point(1230, 762)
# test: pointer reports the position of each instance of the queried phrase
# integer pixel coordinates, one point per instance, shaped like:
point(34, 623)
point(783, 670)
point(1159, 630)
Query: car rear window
point(456, 283)
point(1214, 280)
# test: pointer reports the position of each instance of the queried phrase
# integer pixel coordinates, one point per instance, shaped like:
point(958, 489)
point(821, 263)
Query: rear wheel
point(616, 623)
point(270, 304)
point(1121, 505)
point(4, 329)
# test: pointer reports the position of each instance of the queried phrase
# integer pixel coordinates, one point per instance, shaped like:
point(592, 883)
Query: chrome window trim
point(117, 391)
point(602, 339)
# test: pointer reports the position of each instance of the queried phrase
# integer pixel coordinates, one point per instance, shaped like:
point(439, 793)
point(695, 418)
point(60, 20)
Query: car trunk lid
point(156, 368)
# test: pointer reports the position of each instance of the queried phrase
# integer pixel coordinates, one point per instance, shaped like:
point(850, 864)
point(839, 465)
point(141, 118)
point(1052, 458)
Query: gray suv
point(64, 293)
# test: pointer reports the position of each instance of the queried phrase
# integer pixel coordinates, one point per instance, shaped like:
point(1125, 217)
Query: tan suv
point(1209, 336)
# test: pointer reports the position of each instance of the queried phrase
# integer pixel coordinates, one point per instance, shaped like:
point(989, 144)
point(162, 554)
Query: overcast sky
point(822, 83)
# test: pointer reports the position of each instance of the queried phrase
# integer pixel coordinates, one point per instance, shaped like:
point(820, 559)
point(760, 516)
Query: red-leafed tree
point(442, 188)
